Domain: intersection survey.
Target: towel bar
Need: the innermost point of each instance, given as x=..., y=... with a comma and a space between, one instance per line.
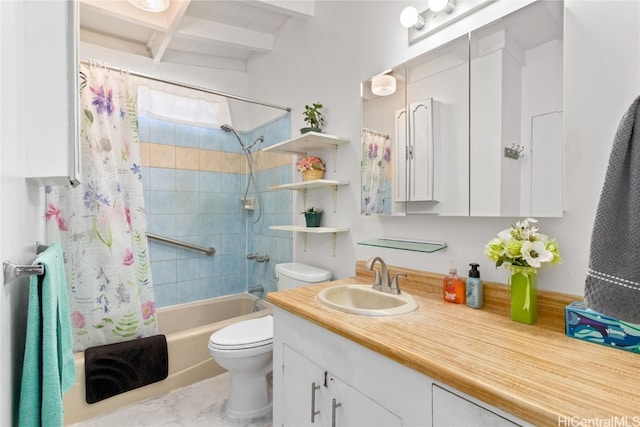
x=13, y=271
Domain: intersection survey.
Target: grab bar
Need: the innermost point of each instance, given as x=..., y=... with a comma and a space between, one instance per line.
x=209, y=251
x=12, y=271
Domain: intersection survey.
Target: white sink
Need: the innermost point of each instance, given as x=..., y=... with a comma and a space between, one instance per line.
x=364, y=300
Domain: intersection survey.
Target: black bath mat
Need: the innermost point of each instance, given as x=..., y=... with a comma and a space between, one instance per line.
x=112, y=369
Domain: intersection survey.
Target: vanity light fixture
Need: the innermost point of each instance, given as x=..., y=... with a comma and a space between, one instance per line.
x=439, y=14
x=151, y=5
x=383, y=85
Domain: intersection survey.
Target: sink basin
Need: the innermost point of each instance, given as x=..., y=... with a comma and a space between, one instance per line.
x=363, y=300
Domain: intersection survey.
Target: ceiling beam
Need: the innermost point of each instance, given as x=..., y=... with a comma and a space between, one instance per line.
x=300, y=9
x=208, y=31
x=208, y=61
x=160, y=40
x=113, y=43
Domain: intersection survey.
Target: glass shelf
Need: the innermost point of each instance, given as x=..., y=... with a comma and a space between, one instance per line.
x=406, y=245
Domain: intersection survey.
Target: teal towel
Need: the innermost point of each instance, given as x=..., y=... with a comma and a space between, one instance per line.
x=48, y=368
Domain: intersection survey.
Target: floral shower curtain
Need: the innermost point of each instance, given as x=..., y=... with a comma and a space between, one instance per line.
x=101, y=224
x=376, y=173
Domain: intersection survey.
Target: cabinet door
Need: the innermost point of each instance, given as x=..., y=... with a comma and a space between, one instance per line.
x=315, y=397
x=451, y=410
x=348, y=407
x=401, y=157
x=303, y=391
x=422, y=151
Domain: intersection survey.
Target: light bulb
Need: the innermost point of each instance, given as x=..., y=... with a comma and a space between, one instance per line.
x=409, y=17
x=441, y=5
x=151, y=5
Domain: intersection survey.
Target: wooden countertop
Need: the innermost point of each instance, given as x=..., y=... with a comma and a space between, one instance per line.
x=533, y=372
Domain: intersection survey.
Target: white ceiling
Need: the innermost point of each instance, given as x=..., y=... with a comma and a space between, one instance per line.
x=217, y=34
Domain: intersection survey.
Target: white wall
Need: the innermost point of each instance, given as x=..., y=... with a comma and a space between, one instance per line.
x=20, y=208
x=326, y=58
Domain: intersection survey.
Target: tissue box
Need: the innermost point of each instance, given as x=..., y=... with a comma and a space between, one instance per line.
x=589, y=325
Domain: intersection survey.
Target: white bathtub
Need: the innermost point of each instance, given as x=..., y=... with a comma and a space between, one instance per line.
x=187, y=328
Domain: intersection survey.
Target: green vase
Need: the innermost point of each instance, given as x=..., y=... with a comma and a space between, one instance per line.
x=313, y=220
x=524, y=299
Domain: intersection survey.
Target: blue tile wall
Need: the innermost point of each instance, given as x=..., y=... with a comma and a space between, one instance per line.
x=205, y=208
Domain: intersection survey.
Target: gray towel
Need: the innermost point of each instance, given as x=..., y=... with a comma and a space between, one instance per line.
x=613, y=281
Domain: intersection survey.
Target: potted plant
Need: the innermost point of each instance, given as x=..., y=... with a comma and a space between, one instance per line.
x=313, y=216
x=311, y=167
x=313, y=118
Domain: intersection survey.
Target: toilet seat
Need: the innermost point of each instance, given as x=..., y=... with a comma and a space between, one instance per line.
x=247, y=334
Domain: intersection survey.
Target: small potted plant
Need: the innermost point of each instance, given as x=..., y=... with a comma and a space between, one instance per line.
x=313, y=118
x=311, y=167
x=313, y=216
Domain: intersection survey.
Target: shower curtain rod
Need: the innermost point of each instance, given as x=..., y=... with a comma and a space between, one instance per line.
x=187, y=86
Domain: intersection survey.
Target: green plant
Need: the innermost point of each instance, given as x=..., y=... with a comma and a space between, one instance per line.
x=313, y=116
x=313, y=211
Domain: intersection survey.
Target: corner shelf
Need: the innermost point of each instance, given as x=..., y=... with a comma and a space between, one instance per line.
x=306, y=142
x=312, y=230
x=309, y=185
x=301, y=145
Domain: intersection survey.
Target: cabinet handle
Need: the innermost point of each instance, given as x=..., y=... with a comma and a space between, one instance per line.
x=334, y=405
x=314, y=387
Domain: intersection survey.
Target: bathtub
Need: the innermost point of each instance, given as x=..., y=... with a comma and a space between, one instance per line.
x=187, y=328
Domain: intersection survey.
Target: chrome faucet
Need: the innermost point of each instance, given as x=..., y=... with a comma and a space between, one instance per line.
x=381, y=279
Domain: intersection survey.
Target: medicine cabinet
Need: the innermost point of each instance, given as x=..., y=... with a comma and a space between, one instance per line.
x=487, y=139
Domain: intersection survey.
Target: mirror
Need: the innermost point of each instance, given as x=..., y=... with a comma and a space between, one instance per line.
x=516, y=140
x=474, y=127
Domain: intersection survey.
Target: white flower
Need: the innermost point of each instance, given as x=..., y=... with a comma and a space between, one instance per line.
x=535, y=253
x=505, y=235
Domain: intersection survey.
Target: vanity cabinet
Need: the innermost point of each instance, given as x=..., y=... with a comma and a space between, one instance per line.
x=312, y=366
x=330, y=401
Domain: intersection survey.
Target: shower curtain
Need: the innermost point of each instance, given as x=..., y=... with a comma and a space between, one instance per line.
x=376, y=173
x=101, y=224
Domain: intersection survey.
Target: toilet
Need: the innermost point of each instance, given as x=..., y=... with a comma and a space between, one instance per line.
x=245, y=349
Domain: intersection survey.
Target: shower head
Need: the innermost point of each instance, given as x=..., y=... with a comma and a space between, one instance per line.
x=228, y=128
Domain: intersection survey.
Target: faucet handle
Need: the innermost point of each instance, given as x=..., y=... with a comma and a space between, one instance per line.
x=395, y=287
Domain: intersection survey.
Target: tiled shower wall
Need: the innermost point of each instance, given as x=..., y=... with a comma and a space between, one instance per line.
x=194, y=179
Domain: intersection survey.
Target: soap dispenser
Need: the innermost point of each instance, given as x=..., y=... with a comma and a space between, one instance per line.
x=453, y=286
x=475, y=293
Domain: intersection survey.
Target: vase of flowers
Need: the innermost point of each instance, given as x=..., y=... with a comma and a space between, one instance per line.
x=311, y=167
x=522, y=249
x=313, y=216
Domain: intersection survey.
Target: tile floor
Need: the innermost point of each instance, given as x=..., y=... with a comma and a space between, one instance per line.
x=200, y=404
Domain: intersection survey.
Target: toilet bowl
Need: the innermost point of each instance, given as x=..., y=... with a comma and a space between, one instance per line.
x=245, y=349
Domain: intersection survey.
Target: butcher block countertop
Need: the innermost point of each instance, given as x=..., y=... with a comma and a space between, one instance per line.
x=534, y=372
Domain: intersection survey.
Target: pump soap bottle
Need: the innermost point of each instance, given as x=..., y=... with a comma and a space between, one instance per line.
x=475, y=293
x=453, y=286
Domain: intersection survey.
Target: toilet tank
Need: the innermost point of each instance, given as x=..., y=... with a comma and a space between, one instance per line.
x=293, y=275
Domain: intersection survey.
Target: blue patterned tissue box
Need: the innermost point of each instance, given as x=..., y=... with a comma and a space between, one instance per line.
x=589, y=325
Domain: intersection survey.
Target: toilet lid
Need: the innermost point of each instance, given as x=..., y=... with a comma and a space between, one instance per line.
x=246, y=334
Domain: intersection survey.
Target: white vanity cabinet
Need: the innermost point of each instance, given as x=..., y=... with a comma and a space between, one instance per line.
x=326, y=400
x=342, y=383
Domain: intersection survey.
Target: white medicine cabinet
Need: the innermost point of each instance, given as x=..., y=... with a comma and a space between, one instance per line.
x=493, y=144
